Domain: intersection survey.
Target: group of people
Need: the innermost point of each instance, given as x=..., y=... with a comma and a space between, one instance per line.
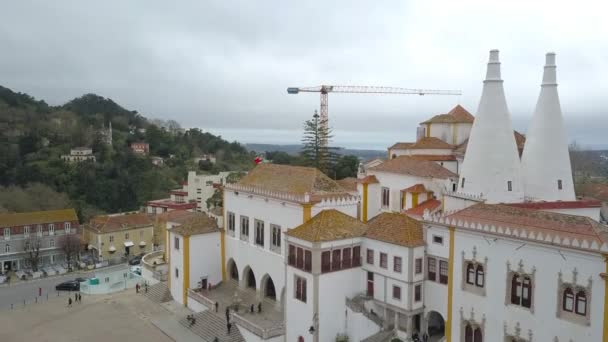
x=77, y=299
x=417, y=338
x=138, y=287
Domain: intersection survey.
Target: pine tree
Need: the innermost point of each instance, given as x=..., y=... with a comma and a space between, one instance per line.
x=316, y=150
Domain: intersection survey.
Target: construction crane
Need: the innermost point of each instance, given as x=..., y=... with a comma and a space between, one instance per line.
x=326, y=89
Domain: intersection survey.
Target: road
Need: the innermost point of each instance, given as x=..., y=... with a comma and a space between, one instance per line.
x=16, y=293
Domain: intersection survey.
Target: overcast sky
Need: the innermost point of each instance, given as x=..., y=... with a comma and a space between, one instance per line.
x=224, y=66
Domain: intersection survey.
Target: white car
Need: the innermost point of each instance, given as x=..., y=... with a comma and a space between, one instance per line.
x=136, y=270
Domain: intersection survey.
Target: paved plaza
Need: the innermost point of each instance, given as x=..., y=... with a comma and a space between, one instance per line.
x=122, y=316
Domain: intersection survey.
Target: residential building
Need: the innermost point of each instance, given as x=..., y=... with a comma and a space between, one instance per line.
x=141, y=148
x=117, y=236
x=21, y=232
x=178, y=200
x=201, y=187
x=79, y=154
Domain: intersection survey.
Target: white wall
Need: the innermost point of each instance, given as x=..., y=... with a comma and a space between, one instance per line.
x=358, y=326
x=441, y=131
x=251, y=337
x=334, y=287
x=176, y=261
x=205, y=258
x=592, y=213
x=435, y=294
x=196, y=182
x=548, y=263
x=298, y=315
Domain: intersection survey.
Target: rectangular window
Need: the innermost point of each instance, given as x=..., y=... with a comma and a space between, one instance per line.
x=307, y=261
x=7, y=248
x=443, y=271
x=51, y=229
x=418, y=265
x=244, y=227
x=370, y=256
x=509, y=186
x=67, y=226
x=259, y=233
x=386, y=194
x=336, y=260
x=356, y=256
x=462, y=185
x=51, y=243
x=126, y=236
x=300, y=258
x=26, y=230
x=346, y=258
x=231, y=223
x=325, y=262
x=7, y=233
x=39, y=230
x=141, y=234
x=438, y=239
x=432, y=269
x=417, y=293
x=276, y=235
x=383, y=260
x=26, y=246
x=300, y=288
x=176, y=272
x=559, y=184
x=397, y=264
x=396, y=292
x=111, y=238
x=176, y=243
x=291, y=257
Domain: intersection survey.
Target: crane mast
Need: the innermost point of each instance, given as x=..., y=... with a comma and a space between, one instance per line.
x=324, y=91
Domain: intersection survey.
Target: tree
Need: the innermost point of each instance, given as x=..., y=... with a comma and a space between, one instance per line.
x=215, y=200
x=234, y=177
x=32, y=247
x=316, y=150
x=346, y=166
x=70, y=245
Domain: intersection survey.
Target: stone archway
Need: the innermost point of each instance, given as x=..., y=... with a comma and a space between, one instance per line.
x=233, y=271
x=435, y=326
x=248, y=280
x=267, y=287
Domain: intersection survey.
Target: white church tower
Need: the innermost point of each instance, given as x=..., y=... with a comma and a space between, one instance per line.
x=491, y=166
x=546, y=169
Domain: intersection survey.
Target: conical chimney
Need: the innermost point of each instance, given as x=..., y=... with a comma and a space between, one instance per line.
x=546, y=169
x=491, y=166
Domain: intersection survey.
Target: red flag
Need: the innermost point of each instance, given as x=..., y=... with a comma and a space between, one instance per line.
x=257, y=160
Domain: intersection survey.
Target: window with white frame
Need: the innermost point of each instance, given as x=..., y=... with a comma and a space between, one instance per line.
x=417, y=293
x=67, y=227
x=437, y=270
x=51, y=229
x=7, y=248
x=244, y=228
x=418, y=265
x=39, y=230
x=7, y=233
x=231, y=223
x=176, y=243
x=111, y=238
x=300, y=288
x=383, y=260
x=276, y=237
x=259, y=232
x=397, y=264
x=26, y=231
x=474, y=275
x=386, y=195
x=575, y=300
x=396, y=292
x=52, y=243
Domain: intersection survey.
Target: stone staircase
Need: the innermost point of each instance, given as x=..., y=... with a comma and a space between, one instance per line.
x=382, y=336
x=158, y=293
x=210, y=325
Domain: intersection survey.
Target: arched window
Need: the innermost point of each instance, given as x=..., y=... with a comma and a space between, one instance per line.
x=526, y=295
x=568, y=300
x=477, y=335
x=516, y=289
x=581, y=303
x=468, y=333
x=479, y=279
x=470, y=274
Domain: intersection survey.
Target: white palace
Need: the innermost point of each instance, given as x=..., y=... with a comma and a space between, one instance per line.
x=466, y=234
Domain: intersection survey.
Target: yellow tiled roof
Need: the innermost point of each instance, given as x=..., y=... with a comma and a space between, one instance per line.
x=348, y=183
x=37, y=217
x=329, y=225
x=291, y=179
x=396, y=228
x=199, y=224
x=457, y=115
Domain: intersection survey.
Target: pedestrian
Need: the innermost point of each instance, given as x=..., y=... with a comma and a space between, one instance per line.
x=227, y=315
x=69, y=302
x=259, y=307
x=217, y=305
x=146, y=287
x=137, y=288
x=229, y=325
x=425, y=337
x=251, y=308
x=75, y=297
x=216, y=340
x=80, y=297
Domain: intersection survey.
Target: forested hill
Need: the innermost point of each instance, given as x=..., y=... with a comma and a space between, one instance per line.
x=34, y=135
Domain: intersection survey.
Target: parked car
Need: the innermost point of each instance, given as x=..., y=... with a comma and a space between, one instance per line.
x=136, y=260
x=136, y=269
x=81, y=279
x=71, y=285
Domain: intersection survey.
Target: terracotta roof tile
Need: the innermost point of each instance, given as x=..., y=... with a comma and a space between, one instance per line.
x=430, y=204
x=175, y=215
x=598, y=191
x=371, y=179
x=401, y=145
x=199, y=224
x=414, y=167
x=348, y=183
x=431, y=143
x=520, y=140
x=291, y=179
x=395, y=228
x=112, y=223
x=457, y=115
x=434, y=157
x=558, y=205
x=37, y=217
x=416, y=188
x=563, y=225
x=329, y=225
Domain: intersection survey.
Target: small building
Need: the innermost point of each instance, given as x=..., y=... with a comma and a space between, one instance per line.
x=164, y=220
x=140, y=148
x=20, y=232
x=178, y=200
x=157, y=161
x=79, y=154
x=113, y=237
x=202, y=187
x=197, y=267
x=208, y=157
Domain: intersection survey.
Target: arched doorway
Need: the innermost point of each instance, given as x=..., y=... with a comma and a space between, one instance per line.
x=249, y=277
x=268, y=287
x=435, y=326
x=233, y=271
